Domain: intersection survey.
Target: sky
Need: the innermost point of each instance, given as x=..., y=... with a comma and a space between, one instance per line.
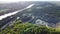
x=10, y=1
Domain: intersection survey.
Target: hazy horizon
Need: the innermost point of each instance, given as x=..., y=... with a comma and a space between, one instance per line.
x=13, y=1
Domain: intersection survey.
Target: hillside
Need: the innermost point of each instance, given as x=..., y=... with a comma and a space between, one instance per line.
x=28, y=28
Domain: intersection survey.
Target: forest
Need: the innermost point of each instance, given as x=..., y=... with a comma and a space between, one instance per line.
x=28, y=28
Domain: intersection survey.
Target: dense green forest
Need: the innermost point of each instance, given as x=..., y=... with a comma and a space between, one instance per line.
x=28, y=28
